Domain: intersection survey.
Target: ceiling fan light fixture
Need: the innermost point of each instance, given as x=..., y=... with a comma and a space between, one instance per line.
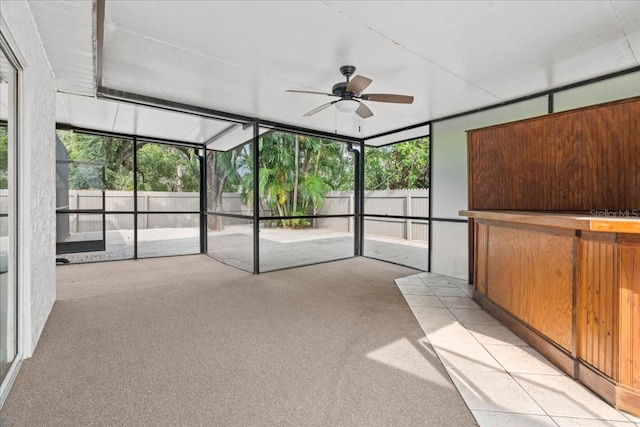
x=347, y=105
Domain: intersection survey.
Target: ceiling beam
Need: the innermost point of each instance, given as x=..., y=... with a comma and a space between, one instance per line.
x=98, y=40
x=137, y=99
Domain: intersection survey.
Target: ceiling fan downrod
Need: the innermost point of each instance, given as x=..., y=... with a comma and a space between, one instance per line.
x=347, y=71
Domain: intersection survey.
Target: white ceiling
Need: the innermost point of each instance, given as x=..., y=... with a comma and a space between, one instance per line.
x=240, y=57
x=96, y=114
x=67, y=36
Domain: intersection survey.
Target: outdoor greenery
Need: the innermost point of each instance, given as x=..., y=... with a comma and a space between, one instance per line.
x=227, y=171
x=160, y=167
x=295, y=171
x=397, y=166
x=167, y=168
x=4, y=158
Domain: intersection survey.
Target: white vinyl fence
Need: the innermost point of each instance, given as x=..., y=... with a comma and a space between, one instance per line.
x=413, y=202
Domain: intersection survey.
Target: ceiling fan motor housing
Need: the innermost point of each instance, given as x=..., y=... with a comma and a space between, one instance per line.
x=339, y=89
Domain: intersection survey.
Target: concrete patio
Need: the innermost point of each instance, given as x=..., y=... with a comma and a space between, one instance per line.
x=280, y=248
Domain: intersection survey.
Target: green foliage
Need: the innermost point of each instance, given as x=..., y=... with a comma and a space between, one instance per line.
x=160, y=167
x=398, y=166
x=4, y=158
x=167, y=168
x=296, y=172
x=296, y=222
x=115, y=154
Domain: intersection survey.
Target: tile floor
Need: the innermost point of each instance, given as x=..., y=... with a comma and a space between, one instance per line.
x=504, y=381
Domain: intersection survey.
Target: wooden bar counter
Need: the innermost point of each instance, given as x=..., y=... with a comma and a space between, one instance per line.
x=569, y=285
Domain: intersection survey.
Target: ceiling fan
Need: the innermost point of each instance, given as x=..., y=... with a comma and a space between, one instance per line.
x=351, y=96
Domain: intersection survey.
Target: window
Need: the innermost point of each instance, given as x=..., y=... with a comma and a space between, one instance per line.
x=396, y=203
x=8, y=199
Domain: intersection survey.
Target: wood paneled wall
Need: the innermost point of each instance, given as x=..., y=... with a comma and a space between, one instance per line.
x=573, y=161
x=609, y=309
x=481, y=247
x=598, y=305
x=630, y=310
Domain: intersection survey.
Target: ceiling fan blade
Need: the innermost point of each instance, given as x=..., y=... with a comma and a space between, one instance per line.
x=320, y=108
x=311, y=92
x=364, y=111
x=388, y=97
x=357, y=84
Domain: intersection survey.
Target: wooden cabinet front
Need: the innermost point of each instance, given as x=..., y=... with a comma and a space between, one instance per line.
x=629, y=328
x=597, y=306
x=574, y=294
x=530, y=274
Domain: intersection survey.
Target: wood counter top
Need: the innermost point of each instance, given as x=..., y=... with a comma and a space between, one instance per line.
x=601, y=221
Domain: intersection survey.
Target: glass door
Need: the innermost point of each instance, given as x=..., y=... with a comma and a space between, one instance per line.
x=80, y=223
x=8, y=280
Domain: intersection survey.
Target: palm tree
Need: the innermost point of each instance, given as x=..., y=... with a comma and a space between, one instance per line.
x=295, y=172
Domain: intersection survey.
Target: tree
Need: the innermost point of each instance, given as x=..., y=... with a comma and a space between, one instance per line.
x=226, y=173
x=4, y=158
x=399, y=166
x=297, y=171
x=161, y=167
x=115, y=154
x=167, y=168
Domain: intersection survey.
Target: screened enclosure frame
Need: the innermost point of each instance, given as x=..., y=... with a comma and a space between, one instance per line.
x=356, y=144
x=549, y=94
x=84, y=245
x=256, y=218
x=356, y=148
x=135, y=212
x=406, y=218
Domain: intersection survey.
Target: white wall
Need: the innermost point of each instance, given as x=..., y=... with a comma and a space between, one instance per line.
x=36, y=181
x=621, y=87
x=449, y=240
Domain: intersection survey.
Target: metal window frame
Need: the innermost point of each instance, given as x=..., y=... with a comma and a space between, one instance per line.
x=85, y=245
x=107, y=93
x=359, y=191
x=256, y=218
x=428, y=218
x=22, y=340
x=134, y=140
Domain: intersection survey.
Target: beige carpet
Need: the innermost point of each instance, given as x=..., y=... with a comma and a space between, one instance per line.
x=189, y=341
